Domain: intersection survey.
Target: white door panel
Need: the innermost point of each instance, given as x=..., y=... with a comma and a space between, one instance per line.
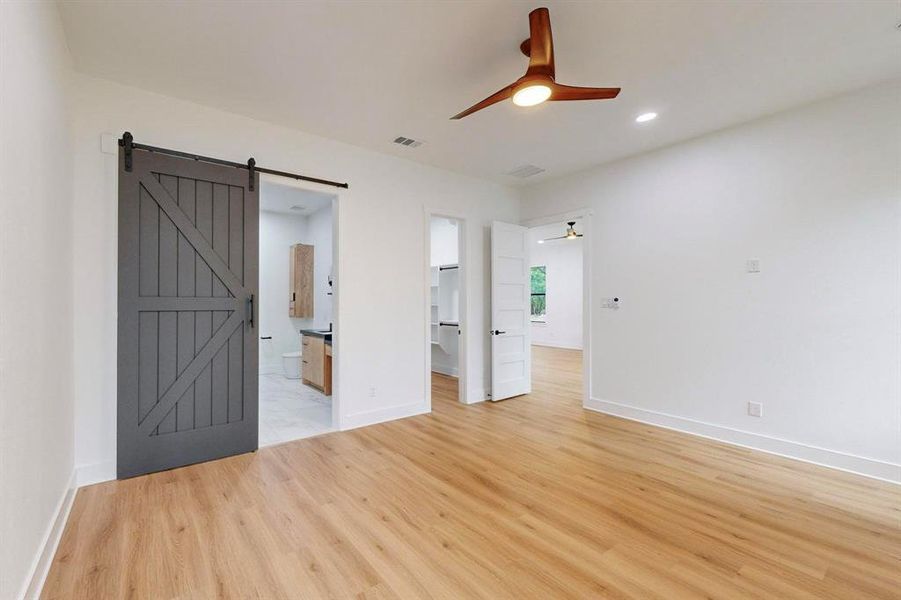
x=511, y=358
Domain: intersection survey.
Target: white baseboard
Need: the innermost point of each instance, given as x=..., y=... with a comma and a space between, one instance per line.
x=40, y=565
x=859, y=465
x=381, y=415
x=95, y=473
x=449, y=371
x=552, y=345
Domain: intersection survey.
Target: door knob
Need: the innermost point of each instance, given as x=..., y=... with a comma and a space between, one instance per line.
x=497, y=332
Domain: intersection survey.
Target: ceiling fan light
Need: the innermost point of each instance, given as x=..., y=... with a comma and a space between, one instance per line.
x=531, y=95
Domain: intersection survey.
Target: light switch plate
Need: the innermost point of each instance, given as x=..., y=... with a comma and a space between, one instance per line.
x=752, y=265
x=755, y=409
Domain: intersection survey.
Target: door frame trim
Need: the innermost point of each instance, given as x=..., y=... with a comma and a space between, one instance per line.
x=463, y=394
x=585, y=215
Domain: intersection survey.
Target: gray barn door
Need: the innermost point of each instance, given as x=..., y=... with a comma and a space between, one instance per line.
x=188, y=271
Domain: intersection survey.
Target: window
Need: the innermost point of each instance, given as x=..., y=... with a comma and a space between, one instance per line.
x=539, y=291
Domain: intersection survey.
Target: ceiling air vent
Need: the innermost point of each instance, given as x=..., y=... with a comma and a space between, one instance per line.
x=404, y=141
x=525, y=171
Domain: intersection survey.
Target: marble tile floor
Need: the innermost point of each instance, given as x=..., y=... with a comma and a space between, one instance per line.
x=290, y=410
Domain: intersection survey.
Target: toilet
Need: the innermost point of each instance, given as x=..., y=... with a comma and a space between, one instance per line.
x=291, y=364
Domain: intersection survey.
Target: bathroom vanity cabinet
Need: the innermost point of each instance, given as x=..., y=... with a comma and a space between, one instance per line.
x=300, y=285
x=316, y=366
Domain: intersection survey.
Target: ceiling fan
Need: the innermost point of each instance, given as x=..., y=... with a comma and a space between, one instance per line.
x=538, y=84
x=569, y=235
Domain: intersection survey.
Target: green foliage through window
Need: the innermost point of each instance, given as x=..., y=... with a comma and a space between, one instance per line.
x=539, y=293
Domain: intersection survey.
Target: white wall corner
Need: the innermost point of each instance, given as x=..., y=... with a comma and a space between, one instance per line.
x=40, y=565
x=95, y=473
x=475, y=396
x=858, y=465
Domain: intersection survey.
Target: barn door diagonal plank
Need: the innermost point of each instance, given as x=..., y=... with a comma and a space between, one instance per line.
x=178, y=387
x=165, y=201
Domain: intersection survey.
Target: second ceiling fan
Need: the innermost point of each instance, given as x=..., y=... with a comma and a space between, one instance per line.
x=569, y=235
x=538, y=84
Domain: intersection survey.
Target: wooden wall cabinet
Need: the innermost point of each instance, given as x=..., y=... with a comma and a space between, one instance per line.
x=300, y=304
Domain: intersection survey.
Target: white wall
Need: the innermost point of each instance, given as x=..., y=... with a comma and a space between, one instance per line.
x=379, y=272
x=36, y=398
x=320, y=235
x=562, y=327
x=815, y=195
x=278, y=232
x=444, y=235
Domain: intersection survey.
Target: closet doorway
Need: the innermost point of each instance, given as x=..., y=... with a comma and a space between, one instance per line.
x=445, y=307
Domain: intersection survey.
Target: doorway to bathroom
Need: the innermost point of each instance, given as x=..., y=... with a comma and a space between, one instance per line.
x=297, y=292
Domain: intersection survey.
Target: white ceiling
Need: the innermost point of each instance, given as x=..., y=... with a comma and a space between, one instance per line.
x=281, y=197
x=367, y=72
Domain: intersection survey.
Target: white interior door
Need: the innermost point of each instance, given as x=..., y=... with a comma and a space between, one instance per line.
x=511, y=356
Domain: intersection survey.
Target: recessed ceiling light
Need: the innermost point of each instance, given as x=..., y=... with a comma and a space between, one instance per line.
x=645, y=117
x=540, y=241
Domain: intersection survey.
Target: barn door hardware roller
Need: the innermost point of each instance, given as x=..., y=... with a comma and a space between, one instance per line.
x=128, y=146
x=251, y=164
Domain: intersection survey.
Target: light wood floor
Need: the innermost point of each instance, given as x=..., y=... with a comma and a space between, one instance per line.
x=528, y=498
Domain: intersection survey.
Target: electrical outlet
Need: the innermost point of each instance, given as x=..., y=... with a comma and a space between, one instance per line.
x=372, y=392
x=755, y=409
x=752, y=265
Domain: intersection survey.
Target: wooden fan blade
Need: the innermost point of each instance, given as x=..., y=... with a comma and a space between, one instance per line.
x=492, y=99
x=569, y=92
x=541, y=44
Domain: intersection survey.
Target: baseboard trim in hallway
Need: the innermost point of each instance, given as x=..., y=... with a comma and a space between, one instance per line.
x=858, y=465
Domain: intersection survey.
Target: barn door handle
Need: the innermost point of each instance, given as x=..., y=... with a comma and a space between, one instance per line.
x=250, y=309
